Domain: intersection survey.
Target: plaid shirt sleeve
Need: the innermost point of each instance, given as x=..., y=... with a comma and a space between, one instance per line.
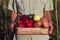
x=49, y=5
x=10, y=5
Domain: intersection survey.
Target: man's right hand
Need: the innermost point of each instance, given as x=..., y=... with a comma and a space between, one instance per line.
x=12, y=26
x=13, y=17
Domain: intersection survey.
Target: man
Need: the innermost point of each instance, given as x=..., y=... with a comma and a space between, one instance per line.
x=41, y=7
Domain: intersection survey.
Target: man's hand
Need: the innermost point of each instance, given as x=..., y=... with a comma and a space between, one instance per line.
x=12, y=26
x=13, y=17
x=47, y=13
x=51, y=28
x=50, y=31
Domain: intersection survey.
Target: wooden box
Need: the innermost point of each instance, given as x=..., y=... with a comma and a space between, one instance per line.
x=32, y=31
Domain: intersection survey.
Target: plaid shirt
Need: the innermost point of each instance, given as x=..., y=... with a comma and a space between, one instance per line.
x=32, y=6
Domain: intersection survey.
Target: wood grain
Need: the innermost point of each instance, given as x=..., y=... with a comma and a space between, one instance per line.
x=32, y=31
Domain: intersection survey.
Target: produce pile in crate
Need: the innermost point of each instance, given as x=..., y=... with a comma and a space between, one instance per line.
x=30, y=24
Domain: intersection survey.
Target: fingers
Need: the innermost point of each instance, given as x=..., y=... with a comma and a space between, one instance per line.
x=50, y=31
x=45, y=22
x=12, y=25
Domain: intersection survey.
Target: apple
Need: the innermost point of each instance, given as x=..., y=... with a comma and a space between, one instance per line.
x=19, y=22
x=36, y=17
x=24, y=18
x=37, y=24
x=29, y=23
x=21, y=25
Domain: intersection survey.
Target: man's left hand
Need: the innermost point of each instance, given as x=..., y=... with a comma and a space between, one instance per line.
x=51, y=28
